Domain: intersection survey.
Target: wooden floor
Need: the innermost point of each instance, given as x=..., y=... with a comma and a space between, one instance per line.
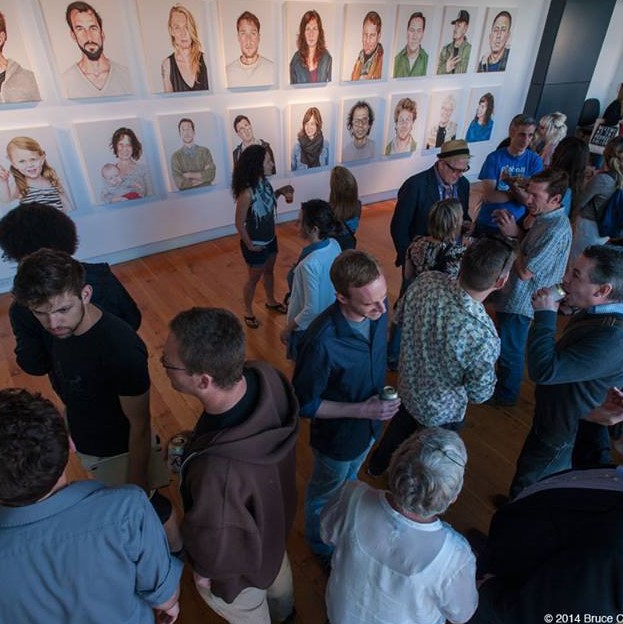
x=211, y=274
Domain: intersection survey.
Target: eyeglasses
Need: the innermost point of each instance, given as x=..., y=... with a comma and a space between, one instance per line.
x=361, y=122
x=456, y=460
x=456, y=169
x=169, y=366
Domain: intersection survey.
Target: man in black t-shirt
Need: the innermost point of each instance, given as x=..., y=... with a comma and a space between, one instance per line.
x=97, y=364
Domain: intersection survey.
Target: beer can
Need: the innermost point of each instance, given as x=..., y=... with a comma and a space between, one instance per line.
x=175, y=451
x=557, y=291
x=388, y=393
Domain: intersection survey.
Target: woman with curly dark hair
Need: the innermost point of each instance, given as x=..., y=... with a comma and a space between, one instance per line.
x=312, y=61
x=256, y=204
x=31, y=227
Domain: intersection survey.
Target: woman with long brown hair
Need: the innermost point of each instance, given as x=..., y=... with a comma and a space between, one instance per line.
x=312, y=61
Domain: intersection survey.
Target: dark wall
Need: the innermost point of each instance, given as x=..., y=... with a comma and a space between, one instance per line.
x=571, y=43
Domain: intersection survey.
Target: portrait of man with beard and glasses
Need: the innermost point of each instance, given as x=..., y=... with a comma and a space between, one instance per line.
x=94, y=75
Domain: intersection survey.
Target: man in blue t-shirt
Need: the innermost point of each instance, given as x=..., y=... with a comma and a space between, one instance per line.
x=504, y=174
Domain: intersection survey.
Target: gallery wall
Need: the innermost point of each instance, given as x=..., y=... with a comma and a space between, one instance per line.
x=75, y=127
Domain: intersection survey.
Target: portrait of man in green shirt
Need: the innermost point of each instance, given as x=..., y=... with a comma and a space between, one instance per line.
x=454, y=57
x=412, y=60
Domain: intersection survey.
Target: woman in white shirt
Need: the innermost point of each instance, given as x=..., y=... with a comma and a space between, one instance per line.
x=395, y=561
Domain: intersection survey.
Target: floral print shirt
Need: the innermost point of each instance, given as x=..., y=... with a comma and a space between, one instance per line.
x=448, y=351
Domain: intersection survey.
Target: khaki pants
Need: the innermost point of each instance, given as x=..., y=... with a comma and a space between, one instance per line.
x=113, y=471
x=256, y=606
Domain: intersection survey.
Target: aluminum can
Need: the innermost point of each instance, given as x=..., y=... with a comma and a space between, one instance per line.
x=175, y=451
x=389, y=393
x=557, y=291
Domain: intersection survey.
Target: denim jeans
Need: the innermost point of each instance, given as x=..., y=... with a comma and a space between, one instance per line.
x=554, y=445
x=513, y=331
x=327, y=477
x=538, y=459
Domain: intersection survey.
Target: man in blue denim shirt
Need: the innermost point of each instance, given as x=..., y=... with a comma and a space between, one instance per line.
x=73, y=552
x=340, y=370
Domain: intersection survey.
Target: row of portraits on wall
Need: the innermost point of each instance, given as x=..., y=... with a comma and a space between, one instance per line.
x=94, y=50
x=119, y=166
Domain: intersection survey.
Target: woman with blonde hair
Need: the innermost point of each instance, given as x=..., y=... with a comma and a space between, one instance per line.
x=185, y=69
x=594, y=198
x=439, y=250
x=551, y=130
x=344, y=200
x=30, y=178
x=312, y=61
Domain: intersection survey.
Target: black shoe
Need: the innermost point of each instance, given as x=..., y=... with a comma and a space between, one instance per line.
x=477, y=540
x=373, y=474
x=325, y=562
x=499, y=500
x=497, y=402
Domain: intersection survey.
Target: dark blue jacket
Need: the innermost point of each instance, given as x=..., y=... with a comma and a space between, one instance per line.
x=415, y=198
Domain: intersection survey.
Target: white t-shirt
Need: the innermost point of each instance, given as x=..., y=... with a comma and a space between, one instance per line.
x=77, y=85
x=387, y=569
x=259, y=73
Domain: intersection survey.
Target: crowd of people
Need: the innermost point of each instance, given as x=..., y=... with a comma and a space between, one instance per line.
x=487, y=273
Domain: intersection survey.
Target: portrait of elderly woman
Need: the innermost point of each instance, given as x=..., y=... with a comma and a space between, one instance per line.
x=311, y=148
x=185, y=69
x=445, y=128
x=312, y=61
x=405, y=115
x=394, y=560
x=481, y=125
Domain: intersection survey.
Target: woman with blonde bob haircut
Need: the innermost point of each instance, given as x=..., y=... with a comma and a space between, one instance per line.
x=551, y=130
x=439, y=250
x=185, y=69
x=394, y=559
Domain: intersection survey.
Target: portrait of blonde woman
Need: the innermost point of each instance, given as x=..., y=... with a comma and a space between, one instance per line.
x=185, y=69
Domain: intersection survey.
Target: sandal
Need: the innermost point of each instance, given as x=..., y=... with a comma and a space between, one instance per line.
x=277, y=307
x=251, y=321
